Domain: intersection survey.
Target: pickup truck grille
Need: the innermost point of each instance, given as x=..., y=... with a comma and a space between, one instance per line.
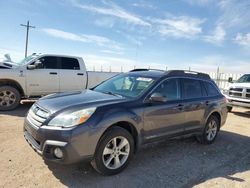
x=36, y=115
x=239, y=93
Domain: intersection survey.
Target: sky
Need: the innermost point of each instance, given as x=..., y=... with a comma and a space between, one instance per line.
x=120, y=35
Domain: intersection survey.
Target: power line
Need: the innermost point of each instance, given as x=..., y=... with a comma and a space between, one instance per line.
x=28, y=26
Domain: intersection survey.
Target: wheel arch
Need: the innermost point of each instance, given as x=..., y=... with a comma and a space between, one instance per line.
x=128, y=126
x=217, y=115
x=13, y=83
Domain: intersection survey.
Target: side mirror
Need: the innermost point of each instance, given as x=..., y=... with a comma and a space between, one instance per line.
x=31, y=67
x=230, y=80
x=157, y=97
x=37, y=64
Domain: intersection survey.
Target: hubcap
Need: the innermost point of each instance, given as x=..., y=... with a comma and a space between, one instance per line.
x=7, y=98
x=211, y=130
x=116, y=152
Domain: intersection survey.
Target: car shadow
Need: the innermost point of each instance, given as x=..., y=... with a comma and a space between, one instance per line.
x=172, y=163
x=20, y=111
x=242, y=114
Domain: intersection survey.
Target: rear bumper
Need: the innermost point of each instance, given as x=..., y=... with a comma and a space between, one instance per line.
x=44, y=141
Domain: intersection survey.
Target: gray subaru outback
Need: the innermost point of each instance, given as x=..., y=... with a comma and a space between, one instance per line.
x=107, y=124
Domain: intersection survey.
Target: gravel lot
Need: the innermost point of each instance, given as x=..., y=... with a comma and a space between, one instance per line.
x=175, y=163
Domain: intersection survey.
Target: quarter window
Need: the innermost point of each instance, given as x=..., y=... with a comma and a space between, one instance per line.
x=191, y=88
x=210, y=88
x=169, y=89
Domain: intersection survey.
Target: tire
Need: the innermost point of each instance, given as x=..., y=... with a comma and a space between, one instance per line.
x=211, y=128
x=9, y=98
x=106, y=144
x=229, y=108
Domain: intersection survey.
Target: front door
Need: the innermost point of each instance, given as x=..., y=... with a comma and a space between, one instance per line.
x=164, y=118
x=44, y=79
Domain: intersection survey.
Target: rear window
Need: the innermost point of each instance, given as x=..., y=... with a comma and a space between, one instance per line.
x=69, y=63
x=191, y=89
x=211, y=89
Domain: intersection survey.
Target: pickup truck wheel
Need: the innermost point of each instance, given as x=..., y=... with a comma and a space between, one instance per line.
x=210, y=131
x=229, y=108
x=114, y=151
x=9, y=98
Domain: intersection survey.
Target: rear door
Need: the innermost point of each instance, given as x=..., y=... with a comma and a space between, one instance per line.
x=45, y=78
x=194, y=100
x=72, y=75
x=164, y=118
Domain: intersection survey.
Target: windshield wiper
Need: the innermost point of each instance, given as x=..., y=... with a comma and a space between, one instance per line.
x=111, y=93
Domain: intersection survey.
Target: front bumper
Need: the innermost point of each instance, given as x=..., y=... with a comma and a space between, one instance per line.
x=233, y=101
x=45, y=139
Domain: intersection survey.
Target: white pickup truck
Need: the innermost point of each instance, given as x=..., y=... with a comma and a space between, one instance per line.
x=42, y=74
x=238, y=93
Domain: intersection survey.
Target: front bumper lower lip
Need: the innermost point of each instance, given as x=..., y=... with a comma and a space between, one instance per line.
x=37, y=148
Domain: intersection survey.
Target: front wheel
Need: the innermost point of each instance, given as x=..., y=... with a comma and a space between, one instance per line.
x=114, y=151
x=210, y=131
x=9, y=98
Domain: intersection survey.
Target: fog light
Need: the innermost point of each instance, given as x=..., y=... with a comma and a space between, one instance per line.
x=58, y=153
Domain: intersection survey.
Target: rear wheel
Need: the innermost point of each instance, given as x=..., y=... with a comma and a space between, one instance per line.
x=9, y=98
x=114, y=151
x=210, y=131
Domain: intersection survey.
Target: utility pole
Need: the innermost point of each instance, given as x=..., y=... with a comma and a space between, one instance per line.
x=28, y=26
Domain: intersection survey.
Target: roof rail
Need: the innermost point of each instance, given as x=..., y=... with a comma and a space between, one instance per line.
x=135, y=70
x=189, y=73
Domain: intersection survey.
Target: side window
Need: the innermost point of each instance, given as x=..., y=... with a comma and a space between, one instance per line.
x=48, y=62
x=169, y=89
x=211, y=89
x=191, y=89
x=69, y=63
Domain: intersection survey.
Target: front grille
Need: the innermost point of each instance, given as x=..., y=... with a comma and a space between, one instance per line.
x=248, y=96
x=233, y=94
x=236, y=89
x=37, y=115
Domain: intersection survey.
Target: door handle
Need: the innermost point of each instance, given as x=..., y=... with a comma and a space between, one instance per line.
x=53, y=73
x=207, y=102
x=80, y=74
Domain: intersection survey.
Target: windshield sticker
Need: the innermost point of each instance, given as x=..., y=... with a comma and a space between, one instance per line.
x=144, y=79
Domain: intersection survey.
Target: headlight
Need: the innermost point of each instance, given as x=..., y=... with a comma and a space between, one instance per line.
x=70, y=120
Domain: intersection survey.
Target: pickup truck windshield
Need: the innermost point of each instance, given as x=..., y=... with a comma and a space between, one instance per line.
x=26, y=60
x=244, y=79
x=125, y=85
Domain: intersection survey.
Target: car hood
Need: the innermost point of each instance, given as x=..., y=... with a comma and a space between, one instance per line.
x=244, y=85
x=81, y=99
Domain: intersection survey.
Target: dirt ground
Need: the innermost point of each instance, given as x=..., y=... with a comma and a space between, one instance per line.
x=175, y=163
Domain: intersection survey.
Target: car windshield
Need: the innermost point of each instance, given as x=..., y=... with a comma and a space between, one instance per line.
x=244, y=79
x=125, y=85
x=26, y=60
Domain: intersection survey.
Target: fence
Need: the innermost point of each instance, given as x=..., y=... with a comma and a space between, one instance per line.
x=221, y=79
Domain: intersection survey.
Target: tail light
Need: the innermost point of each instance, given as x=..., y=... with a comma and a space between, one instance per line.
x=225, y=99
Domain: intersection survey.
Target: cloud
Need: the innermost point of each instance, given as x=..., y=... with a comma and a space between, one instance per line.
x=243, y=39
x=144, y=5
x=235, y=14
x=179, y=27
x=114, y=11
x=98, y=40
x=217, y=36
x=226, y=65
x=199, y=2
